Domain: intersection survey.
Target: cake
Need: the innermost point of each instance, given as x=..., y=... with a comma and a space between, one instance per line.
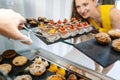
x=72, y=77
x=102, y=38
x=72, y=30
x=116, y=45
x=114, y=33
x=55, y=77
x=61, y=71
x=9, y=53
x=37, y=69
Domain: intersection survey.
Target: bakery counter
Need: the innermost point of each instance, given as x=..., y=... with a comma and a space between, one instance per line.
x=69, y=66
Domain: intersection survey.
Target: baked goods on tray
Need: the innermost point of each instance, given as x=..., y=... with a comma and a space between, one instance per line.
x=72, y=77
x=23, y=77
x=102, y=38
x=114, y=33
x=55, y=77
x=6, y=67
x=116, y=45
x=37, y=69
x=9, y=53
x=20, y=60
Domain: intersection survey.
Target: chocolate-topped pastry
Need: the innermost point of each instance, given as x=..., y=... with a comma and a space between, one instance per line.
x=1, y=58
x=33, y=23
x=9, y=53
x=30, y=19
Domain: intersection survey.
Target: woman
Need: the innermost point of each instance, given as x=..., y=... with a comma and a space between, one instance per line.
x=102, y=17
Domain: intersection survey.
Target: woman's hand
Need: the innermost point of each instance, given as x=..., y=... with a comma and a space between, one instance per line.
x=10, y=24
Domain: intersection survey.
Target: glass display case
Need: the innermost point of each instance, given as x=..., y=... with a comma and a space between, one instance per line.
x=60, y=53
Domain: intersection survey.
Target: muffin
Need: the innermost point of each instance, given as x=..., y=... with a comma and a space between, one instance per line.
x=102, y=38
x=55, y=77
x=116, y=45
x=114, y=33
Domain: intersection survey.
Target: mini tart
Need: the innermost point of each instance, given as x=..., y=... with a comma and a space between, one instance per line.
x=61, y=72
x=55, y=77
x=53, y=68
x=116, y=45
x=102, y=38
x=1, y=58
x=6, y=68
x=20, y=60
x=9, y=53
x=114, y=33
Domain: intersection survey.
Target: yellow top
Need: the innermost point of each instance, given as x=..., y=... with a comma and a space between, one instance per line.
x=105, y=17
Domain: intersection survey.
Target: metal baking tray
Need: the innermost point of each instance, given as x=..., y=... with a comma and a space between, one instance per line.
x=102, y=54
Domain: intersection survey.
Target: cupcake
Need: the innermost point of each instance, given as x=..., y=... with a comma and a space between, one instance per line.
x=102, y=38
x=114, y=33
x=116, y=45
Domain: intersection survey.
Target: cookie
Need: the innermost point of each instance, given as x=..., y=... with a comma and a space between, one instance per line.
x=20, y=60
x=1, y=58
x=5, y=68
x=9, y=53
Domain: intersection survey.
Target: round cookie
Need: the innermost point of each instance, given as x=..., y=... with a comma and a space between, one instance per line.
x=5, y=68
x=116, y=45
x=9, y=53
x=19, y=60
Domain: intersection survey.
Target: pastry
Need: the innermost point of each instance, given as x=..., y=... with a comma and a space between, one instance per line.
x=1, y=58
x=5, y=68
x=9, y=53
x=37, y=69
x=23, y=77
x=19, y=60
x=116, y=45
x=114, y=33
x=72, y=77
x=55, y=77
x=61, y=71
x=53, y=68
x=102, y=38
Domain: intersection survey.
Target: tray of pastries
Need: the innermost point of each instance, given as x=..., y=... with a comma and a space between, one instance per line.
x=50, y=31
x=18, y=67
x=104, y=48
